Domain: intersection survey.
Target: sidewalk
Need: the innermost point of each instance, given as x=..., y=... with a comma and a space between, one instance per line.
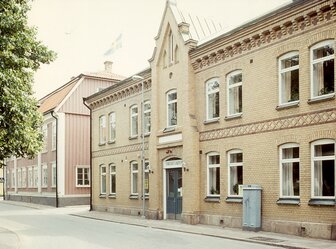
x=266, y=238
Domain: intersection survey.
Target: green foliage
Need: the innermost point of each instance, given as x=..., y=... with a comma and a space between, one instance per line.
x=21, y=54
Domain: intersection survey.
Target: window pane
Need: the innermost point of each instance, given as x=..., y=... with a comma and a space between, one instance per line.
x=172, y=114
x=324, y=178
x=290, y=86
x=235, y=79
x=289, y=153
x=146, y=182
x=147, y=122
x=147, y=106
x=214, y=181
x=236, y=179
x=113, y=184
x=215, y=159
x=134, y=166
x=323, y=77
x=324, y=150
x=290, y=62
x=236, y=157
x=235, y=99
x=291, y=179
x=103, y=190
x=135, y=183
x=213, y=105
x=172, y=96
x=213, y=86
x=323, y=51
x=134, y=110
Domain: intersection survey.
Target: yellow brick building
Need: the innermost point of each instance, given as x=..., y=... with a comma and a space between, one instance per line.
x=222, y=110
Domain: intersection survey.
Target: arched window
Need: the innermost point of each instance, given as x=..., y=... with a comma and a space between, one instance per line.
x=113, y=178
x=134, y=120
x=212, y=99
x=323, y=168
x=289, y=170
x=147, y=117
x=235, y=172
x=172, y=108
x=213, y=174
x=322, y=57
x=102, y=126
x=102, y=170
x=112, y=127
x=289, y=78
x=134, y=178
x=235, y=93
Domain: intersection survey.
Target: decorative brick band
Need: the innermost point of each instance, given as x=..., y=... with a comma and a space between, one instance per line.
x=119, y=150
x=298, y=23
x=307, y=119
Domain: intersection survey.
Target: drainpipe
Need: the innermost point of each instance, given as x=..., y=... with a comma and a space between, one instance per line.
x=53, y=114
x=84, y=99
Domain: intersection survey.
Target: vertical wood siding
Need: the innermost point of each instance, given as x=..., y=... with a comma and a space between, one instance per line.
x=77, y=150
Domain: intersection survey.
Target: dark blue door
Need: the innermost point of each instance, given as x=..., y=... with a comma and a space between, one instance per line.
x=174, y=193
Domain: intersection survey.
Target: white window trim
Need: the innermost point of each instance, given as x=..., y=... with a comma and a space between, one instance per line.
x=101, y=174
x=207, y=93
x=208, y=175
x=281, y=161
x=167, y=106
x=102, y=127
x=132, y=115
x=44, y=166
x=312, y=62
x=115, y=176
x=53, y=136
x=235, y=151
x=82, y=167
x=110, y=126
x=133, y=172
x=53, y=166
x=236, y=72
x=289, y=69
x=313, y=158
x=145, y=112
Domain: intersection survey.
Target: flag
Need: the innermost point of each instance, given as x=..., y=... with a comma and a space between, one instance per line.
x=116, y=44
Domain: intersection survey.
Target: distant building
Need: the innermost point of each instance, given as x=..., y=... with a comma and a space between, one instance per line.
x=252, y=105
x=64, y=163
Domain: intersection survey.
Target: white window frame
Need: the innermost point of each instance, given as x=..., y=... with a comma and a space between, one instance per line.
x=134, y=117
x=212, y=166
x=211, y=92
x=286, y=70
x=291, y=160
x=102, y=127
x=320, y=60
x=113, y=173
x=44, y=176
x=171, y=102
x=35, y=177
x=30, y=177
x=45, y=138
x=102, y=174
x=112, y=126
x=53, y=136
x=53, y=174
x=24, y=178
x=19, y=177
x=229, y=87
x=147, y=166
x=171, y=47
x=83, y=167
x=133, y=172
x=238, y=164
x=321, y=158
x=147, y=122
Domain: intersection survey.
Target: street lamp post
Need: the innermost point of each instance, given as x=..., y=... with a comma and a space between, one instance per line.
x=138, y=77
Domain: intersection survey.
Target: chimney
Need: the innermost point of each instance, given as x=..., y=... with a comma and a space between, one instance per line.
x=108, y=66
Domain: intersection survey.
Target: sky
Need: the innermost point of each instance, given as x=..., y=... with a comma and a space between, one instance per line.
x=82, y=31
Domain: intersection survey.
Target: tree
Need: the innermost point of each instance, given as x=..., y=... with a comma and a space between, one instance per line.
x=21, y=54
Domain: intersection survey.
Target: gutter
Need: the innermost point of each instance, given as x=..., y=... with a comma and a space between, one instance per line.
x=55, y=117
x=84, y=99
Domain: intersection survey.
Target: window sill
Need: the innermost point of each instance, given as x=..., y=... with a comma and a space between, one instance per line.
x=53, y=149
x=288, y=201
x=112, y=196
x=147, y=135
x=321, y=98
x=215, y=199
x=82, y=186
x=134, y=197
x=102, y=196
x=168, y=129
x=288, y=105
x=233, y=116
x=133, y=138
x=321, y=202
x=211, y=121
x=45, y=151
x=146, y=197
x=111, y=142
x=102, y=144
x=234, y=199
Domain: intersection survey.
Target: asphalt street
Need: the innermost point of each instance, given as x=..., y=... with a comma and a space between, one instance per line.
x=50, y=228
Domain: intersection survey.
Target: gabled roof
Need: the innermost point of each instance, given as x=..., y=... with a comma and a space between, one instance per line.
x=106, y=74
x=53, y=99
